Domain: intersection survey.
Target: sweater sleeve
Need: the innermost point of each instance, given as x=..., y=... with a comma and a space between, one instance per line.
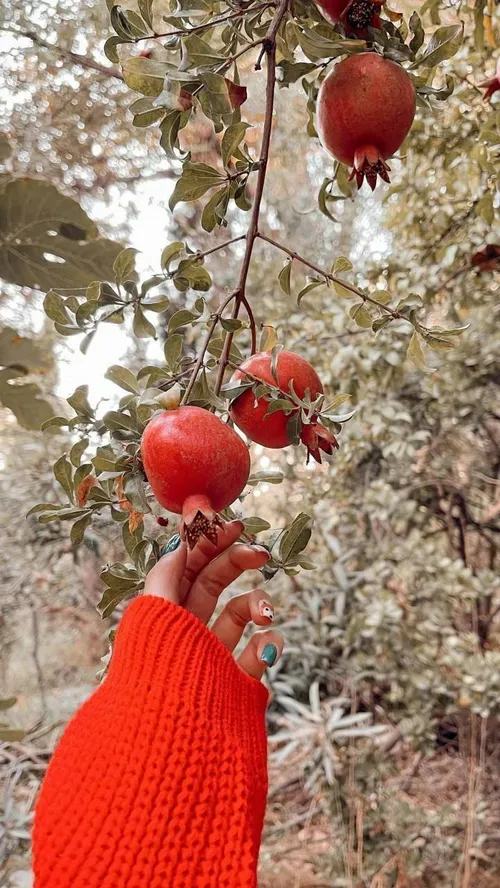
x=160, y=779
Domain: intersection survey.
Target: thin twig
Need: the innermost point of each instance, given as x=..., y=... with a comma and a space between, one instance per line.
x=269, y=44
x=206, y=342
x=396, y=315
x=74, y=57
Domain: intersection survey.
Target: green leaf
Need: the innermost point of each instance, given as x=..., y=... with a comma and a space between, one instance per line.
x=181, y=319
x=343, y=291
x=418, y=32
x=280, y=404
x=284, y=277
x=215, y=349
x=289, y=72
x=7, y=703
x=439, y=342
x=255, y=525
x=77, y=451
x=55, y=309
x=214, y=98
x=195, y=181
x=312, y=285
x=270, y=477
x=315, y=46
x=232, y=390
x=30, y=410
x=173, y=251
x=173, y=350
x=231, y=324
x=124, y=266
x=120, y=23
x=294, y=427
x=43, y=507
x=325, y=196
x=11, y=735
x=63, y=473
x=110, y=48
x=415, y=353
x=123, y=378
x=105, y=459
x=341, y=264
x=78, y=530
x=145, y=76
x=232, y=139
x=296, y=537
x=112, y=597
x=31, y=255
x=361, y=315
x=79, y=402
x=268, y=338
x=201, y=53
x=135, y=492
x=142, y=327
x=215, y=210
x=146, y=10
x=444, y=43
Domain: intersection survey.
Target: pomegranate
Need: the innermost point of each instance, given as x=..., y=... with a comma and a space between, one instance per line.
x=271, y=431
x=365, y=110
x=196, y=465
x=356, y=16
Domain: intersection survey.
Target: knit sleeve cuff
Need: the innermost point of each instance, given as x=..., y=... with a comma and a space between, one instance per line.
x=161, y=647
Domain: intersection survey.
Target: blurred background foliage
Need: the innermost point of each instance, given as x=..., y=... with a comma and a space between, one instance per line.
x=397, y=628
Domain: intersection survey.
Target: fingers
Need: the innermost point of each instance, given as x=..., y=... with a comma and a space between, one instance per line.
x=262, y=651
x=164, y=580
x=251, y=607
x=218, y=574
x=204, y=552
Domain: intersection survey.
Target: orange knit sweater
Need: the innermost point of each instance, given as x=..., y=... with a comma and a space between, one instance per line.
x=160, y=779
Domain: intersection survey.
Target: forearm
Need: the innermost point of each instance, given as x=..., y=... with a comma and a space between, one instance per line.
x=160, y=779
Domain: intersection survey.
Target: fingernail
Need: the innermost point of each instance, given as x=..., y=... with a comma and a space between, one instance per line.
x=257, y=548
x=173, y=544
x=269, y=654
x=266, y=610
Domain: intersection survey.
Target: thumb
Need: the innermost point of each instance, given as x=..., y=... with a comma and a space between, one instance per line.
x=165, y=577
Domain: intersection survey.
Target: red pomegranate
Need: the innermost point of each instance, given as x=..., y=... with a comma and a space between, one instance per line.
x=271, y=431
x=365, y=110
x=355, y=15
x=196, y=465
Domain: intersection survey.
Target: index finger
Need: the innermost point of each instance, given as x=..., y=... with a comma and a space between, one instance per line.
x=204, y=552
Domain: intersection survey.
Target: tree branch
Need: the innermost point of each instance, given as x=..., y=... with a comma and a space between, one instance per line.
x=396, y=315
x=269, y=45
x=74, y=57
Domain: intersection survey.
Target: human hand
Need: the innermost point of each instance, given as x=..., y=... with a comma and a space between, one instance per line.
x=194, y=579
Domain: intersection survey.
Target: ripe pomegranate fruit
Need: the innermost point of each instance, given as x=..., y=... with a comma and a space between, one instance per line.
x=196, y=465
x=365, y=110
x=271, y=431
x=355, y=15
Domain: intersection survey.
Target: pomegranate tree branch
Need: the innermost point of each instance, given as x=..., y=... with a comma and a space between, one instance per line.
x=396, y=315
x=206, y=342
x=68, y=54
x=233, y=240
x=269, y=45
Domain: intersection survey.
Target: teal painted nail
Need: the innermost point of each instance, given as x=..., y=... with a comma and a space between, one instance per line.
x=173, y=544
x=269, y=654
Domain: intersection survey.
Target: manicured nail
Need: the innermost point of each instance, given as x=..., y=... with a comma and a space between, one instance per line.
x=266, y=610
x=269, y=654
x=173, y=544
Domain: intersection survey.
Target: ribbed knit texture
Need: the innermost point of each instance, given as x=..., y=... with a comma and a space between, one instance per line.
x=160, y=779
